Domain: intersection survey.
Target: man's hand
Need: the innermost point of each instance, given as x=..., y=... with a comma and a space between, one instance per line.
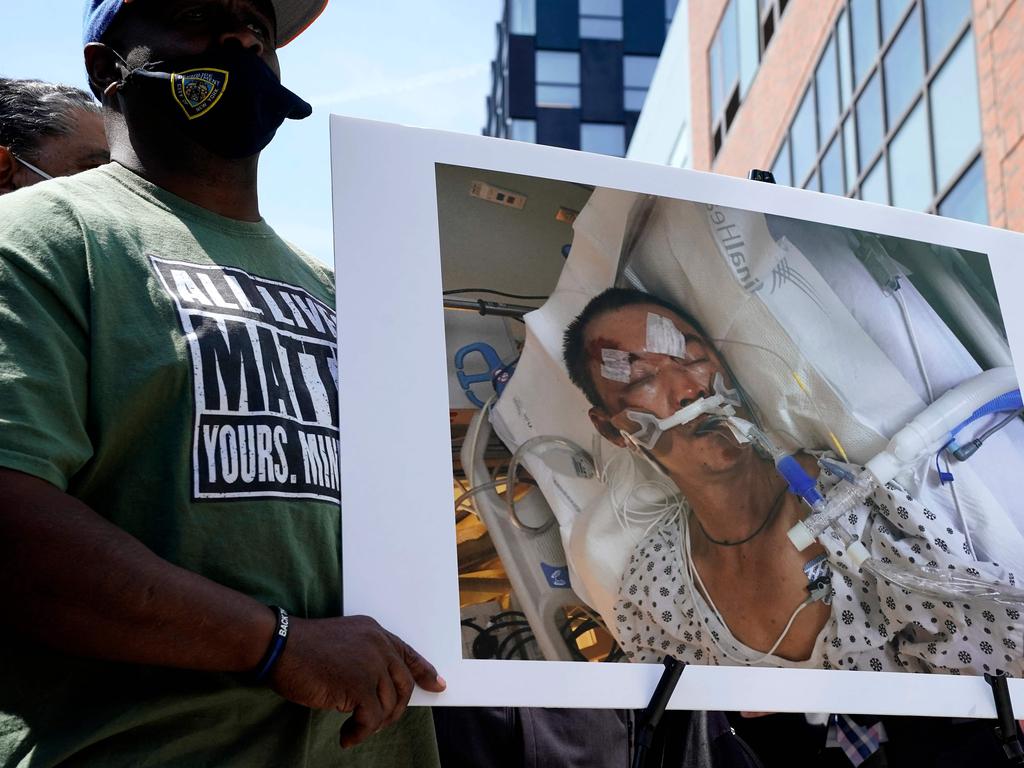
x=351, y=664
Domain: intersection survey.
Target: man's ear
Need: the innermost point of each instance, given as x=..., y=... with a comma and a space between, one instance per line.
x=603, y=424
x=105, y=76
x=8, y=168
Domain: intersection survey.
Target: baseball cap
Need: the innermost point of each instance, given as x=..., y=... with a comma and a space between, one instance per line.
x=293, y=16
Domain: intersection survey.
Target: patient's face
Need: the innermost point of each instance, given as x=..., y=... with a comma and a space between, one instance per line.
x=629, y=376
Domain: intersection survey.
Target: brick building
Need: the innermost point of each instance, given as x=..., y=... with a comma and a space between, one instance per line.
x=914, y=103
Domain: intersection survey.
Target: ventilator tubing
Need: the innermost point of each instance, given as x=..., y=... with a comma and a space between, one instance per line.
x=932, y=429
x=928, y=580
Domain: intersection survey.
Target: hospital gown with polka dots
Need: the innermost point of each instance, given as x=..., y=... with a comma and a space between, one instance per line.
x=874, y=625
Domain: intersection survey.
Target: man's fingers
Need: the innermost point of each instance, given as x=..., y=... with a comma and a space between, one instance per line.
x=365, y=721
x=422, y=671
x=404, y=685
x=388, y=697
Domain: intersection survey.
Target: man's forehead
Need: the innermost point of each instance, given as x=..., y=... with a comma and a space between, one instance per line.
x=635, y=323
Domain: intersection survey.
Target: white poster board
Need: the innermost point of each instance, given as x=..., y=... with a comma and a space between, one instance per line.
x=399, y=548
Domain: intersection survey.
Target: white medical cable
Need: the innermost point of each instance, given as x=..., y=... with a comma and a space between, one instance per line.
x=473, y=440
x=960, y=512
x=898, y=295
x=691, y=572
x=629, y=513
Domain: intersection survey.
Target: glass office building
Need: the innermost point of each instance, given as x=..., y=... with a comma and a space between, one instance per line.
x=575, y=73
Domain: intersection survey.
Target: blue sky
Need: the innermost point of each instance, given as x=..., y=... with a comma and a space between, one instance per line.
x=405, y=61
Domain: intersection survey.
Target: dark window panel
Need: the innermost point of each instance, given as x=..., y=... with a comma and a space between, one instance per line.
x=956, y=116
x=967, y=199
x=864, y=26
x=643, y=26
x=522, y=76
x=630, y=121
x=942, y=20
x=904, y=68
x=601, y=80
x=870, y=125
x=559, y=127
x=558, y=24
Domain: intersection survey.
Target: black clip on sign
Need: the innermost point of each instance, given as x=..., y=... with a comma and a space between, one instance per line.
x=758, y=175
x=1007, y=730
x=656, y=708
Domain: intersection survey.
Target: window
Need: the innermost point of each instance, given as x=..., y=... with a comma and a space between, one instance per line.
x=967, y=199
x=601, y=19
x=768, y=12
x=870, y=128
x=903, y=68
x=733, y=59
x=826, y=81
x=943, y=20
x=895, y=101
x=892, y=12
x=637, y=74
x=864, y=25
x=910, y=171
x=604, y=138
x=522, y=17
x=780, y=169
x=523, y=130
x=804, y=146
x=875, y=188
x=956, y=118
x=558, y=79
x=832, y=169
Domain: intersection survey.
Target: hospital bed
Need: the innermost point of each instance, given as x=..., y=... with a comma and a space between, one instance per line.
x=828, y=330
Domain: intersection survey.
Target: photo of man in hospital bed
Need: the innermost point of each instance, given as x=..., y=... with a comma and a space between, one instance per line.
x=716, y=578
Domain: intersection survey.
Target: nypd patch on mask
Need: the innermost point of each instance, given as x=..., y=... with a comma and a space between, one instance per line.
x=197, y=91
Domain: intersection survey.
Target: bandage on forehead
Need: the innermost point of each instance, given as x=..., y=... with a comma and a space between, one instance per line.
x=615, y=365
x=663, y=338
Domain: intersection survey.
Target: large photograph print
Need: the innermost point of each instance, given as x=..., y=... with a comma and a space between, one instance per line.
x=774, y=434
x=688, y=448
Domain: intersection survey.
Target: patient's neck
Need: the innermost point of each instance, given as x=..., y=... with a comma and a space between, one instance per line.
x=731, y=506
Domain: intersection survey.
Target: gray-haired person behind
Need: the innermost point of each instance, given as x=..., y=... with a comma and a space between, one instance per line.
x=47, y=130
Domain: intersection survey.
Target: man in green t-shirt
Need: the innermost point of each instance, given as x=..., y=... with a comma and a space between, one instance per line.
x=169, y=434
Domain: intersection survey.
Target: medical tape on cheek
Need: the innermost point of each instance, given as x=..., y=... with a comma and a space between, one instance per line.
x=615, y=365
x=663, y=338
x=730, y=396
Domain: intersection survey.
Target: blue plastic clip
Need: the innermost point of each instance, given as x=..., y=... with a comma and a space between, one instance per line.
x=467, y=380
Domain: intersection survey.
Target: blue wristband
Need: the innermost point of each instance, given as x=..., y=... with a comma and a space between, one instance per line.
x=276, y=646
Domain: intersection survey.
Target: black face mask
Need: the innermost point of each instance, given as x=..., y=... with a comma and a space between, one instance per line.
x=226, y=100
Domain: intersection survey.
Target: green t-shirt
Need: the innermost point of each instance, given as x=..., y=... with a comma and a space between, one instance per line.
x=177, y=372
